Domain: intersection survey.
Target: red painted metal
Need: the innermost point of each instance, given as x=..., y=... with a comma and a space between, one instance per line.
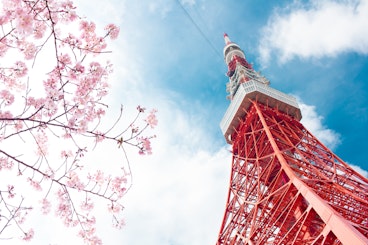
x=288, y=188
x=237, y=60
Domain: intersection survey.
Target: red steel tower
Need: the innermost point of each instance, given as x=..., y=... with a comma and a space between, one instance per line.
x=286, y=187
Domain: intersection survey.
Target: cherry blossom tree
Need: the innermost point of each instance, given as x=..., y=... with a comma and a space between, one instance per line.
x=52, y=90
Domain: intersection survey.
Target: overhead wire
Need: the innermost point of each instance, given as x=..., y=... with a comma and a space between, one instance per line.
x=199, y=29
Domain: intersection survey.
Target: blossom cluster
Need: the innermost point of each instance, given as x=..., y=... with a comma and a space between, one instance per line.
x=59, y=96
x=151, y=119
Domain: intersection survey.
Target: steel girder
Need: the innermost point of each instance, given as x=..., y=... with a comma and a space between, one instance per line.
x=288, y=188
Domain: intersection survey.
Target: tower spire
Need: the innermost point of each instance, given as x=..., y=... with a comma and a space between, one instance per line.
x=227, y=39
x=239, y=69
x=286, y=187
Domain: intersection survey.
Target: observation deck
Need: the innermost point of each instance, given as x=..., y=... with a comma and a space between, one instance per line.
x=254, y=90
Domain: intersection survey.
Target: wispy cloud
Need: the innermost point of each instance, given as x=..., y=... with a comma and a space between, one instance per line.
x=163, y=7
x=188, y=2
x=360, y=170
x=321, y=28
x=180, y=198
x=314, y=123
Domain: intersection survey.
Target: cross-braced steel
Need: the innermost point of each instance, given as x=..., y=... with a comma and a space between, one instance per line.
x=288, y=188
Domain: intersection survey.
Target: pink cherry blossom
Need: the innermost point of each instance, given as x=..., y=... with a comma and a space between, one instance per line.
x=28, y=235
x=7, y=97
x=118, y=185
x=20, y=69
x=21, y=215
x=41, y=139
x=3, y=47
x=6, y=163
x=112, y=30
x=119, y=223
x=66, y=153
x=145, y=146
x=87, y=205
x=69, y=13
x=114, y=208
x=74, y=181
x=39, y=29
x=45, y=206
x=24, y=21
x=6, y=114
x=18, y=125
x=29, y=50
x=87, y=27
x=151, y=119
x=35, y=184
x=99, y=178
x=65, y=59
x=55, y=105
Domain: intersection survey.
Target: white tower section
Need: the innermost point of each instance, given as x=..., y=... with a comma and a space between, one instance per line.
x=240, y=71
x=246, y=85
x=231, y=49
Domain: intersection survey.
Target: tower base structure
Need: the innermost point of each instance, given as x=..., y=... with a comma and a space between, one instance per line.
x=286, y=187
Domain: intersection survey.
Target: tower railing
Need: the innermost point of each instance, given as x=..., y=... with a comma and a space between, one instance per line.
x=254, y=90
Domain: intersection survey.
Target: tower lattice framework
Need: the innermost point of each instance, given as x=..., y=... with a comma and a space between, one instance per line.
x=286, y=187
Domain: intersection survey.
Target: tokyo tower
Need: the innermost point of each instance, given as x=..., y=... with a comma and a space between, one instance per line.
x=286, y=187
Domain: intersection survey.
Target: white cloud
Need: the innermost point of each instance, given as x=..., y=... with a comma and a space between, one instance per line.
x=179, y=193
x=322, y=28
x=178, y=198
x=359, y=170
x=188, y=2
x=314, y=123
x=103, y=12
x=163, y=7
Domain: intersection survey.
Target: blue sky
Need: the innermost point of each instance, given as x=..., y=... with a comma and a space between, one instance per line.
x=318, y=52
x=169, y=56
x=327, y=70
